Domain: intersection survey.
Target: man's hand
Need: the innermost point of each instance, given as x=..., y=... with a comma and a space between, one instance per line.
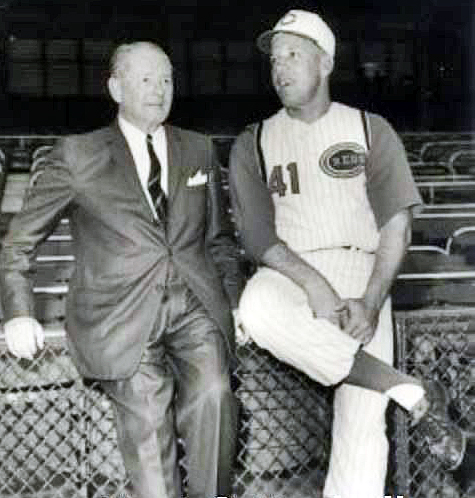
x=242, y=337
x=325, y=303
x=359, y=321
x=24, y=336
x=323, y=300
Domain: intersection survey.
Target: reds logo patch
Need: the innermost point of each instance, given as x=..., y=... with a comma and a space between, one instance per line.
x=289, y=18
x=343, y=160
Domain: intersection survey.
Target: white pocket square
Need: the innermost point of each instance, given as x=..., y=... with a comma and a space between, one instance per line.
x=199, y=179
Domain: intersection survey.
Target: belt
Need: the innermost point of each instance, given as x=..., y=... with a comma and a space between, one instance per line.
x=346, y=248
x=356, y=249
x=350, y=248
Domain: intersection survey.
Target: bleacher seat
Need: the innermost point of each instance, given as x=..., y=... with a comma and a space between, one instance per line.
x=423, y=259
x=19, y=158
x=14, y=191
x=458, y=189
x=463, y=162
x=39, y=156
x=41, y=151
x=430, y=276
x=462, y=242
x=414, y=141
x=443, y=149
x=431, y=170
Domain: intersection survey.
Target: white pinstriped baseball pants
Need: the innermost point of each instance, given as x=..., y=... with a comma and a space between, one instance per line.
x=275, y=313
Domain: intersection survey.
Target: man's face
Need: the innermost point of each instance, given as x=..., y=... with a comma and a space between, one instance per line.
x=296, y=69
x=143, y=87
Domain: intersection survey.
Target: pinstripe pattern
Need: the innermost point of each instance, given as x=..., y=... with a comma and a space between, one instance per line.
x=275, y=312
x=328, y=213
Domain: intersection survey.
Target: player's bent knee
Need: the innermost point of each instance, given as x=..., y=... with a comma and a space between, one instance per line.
x=252, y=308
x=259, y=303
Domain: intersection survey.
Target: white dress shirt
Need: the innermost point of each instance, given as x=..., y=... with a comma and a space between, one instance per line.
x=136, y=139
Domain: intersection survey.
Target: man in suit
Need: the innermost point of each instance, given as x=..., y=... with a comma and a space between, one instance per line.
x=147, y=313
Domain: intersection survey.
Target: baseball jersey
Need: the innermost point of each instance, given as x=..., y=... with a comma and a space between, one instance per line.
x=316, y=175
x=331, y=183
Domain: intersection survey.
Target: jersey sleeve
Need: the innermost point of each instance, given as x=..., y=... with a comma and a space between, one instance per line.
x=251, y=202
x=390, y=184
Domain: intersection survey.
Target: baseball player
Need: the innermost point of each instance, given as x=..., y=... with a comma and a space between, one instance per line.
x=323, y=197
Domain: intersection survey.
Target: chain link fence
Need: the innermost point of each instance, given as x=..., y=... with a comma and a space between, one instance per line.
x=436, y=344
x=284, y=437
x=58, y=436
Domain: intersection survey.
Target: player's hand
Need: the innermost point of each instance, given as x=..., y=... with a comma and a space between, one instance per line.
x=324, y=303
x=358, y=321
x=335, y=316
x=242, y=337
x=24, y=336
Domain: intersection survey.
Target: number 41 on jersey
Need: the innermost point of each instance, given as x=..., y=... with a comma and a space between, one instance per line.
x=276, y=182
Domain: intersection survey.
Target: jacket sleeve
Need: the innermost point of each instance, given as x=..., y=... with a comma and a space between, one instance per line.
x=46, y=199
x=252, y=205
x=220, y=238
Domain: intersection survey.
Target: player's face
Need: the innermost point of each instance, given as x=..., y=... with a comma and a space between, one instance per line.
x=143, y=87
x=296, y=69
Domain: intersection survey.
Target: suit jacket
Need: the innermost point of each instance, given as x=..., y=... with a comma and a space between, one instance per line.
x=121, y=253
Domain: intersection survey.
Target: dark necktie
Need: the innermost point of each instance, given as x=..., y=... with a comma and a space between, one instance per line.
x=158, y=195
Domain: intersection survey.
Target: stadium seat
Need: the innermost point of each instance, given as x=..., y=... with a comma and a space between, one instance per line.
x=19, y=158
x=443, y=149
x=38, y=155
x=423, y=259
x=462, y=162
x=462, y=242
x=429, y=170
x=41, y=151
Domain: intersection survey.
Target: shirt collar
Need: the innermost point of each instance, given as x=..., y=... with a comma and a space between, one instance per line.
x=131, y=132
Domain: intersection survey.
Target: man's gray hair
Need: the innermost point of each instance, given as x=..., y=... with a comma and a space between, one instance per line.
x=121, y=53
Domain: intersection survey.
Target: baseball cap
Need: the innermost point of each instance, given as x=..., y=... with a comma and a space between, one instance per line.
x=301, y=23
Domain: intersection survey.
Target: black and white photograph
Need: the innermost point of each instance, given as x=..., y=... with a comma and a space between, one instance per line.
x=237, y=249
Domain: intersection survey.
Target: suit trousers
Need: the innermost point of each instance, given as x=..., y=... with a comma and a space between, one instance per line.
x=181, y=389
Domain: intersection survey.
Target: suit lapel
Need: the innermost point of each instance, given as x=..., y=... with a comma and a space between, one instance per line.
x=175, y=162
x=177, y=173
x=124, y=160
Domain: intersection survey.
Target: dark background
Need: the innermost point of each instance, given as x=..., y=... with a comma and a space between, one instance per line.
x=411, y=61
